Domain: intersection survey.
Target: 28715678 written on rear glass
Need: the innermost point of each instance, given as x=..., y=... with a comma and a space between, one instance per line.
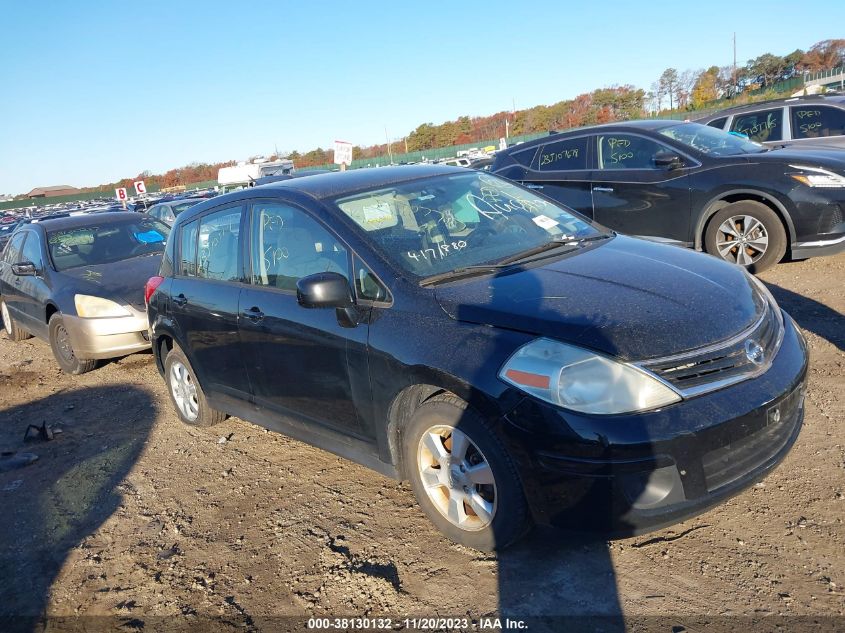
x=514, y=361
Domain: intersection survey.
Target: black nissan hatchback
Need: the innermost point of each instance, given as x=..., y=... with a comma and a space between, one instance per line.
x=514, y=361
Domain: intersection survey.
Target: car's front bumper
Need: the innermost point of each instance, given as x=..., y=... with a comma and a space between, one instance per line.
x=629, y=474
x=107, y=337
x=803, y=250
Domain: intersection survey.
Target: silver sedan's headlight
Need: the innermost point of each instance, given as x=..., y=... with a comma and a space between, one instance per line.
x=583, y=381
x=96, y=307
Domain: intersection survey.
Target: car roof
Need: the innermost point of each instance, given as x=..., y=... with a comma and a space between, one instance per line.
x=336, y=183
x=64, y=222
x=642, y=124
x=825, y=98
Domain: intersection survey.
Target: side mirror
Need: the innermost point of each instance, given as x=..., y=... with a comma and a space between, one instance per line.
x=24, y=269
x=668, y=160
x=324, y=290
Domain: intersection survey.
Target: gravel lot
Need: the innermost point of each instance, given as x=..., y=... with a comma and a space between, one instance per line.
x=129, y=514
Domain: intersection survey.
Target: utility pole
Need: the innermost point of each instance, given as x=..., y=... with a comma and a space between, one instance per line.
x=735, y=87
x=389, y=152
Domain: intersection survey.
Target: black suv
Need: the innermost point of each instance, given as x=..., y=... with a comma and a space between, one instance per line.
x=692, y=185
x=798, y=121
x=512, y=360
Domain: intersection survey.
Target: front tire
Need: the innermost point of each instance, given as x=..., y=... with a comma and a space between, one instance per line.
x=13, y=331
x=747, y=233
x=463, y=477
x=185, y=391
x=63, y=349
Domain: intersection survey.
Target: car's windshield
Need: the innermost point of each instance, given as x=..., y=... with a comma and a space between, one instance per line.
x=106, y=242
x=439, y=224
x=709, y=140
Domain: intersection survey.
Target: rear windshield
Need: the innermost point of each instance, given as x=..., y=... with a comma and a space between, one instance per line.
x=106, y=243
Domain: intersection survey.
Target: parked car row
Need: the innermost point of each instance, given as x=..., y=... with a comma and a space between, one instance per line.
x=513, y=359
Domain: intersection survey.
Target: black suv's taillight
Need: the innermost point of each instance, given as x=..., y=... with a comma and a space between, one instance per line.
x=150, y=287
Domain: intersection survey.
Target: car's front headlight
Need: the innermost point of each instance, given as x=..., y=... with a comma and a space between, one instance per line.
x=97, y=307
x=584, y=381
x=818, y=177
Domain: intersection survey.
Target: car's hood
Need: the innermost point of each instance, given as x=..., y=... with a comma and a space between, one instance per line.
x=812, y=156
x=121, y=281
x=627, y=297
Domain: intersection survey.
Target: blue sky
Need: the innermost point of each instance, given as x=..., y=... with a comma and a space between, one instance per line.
x=94, y=91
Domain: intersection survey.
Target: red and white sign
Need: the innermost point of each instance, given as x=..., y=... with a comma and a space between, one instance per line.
x=120, y=193
x=140, y=187
x=342, y=153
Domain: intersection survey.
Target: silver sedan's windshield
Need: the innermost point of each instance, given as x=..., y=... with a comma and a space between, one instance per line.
x=443, y=223
x=709, y=140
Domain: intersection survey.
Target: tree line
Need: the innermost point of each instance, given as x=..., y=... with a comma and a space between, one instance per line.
x=695, y=89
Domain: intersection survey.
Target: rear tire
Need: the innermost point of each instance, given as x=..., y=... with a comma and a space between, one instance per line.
x=63, y=349
x=13, y=331
x=468, y=487
x=756, y=230
x=185, y=391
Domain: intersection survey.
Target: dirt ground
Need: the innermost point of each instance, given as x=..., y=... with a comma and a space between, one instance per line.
x=129, y=514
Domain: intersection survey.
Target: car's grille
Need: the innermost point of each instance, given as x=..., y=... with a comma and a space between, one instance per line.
x=719, y=365
x=729, y=463
x=830, y=218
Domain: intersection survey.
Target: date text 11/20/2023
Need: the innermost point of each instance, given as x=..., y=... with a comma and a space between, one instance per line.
x=416, y=624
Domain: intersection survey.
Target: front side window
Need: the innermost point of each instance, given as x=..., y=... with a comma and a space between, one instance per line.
x=217, y=245
x=288, y=244
x=13, y=250
x=32, y=251
x=564, y=155
x=817, y=121
x=435, y=225
x=762, y=126
x=627, y=151
x=106, y=243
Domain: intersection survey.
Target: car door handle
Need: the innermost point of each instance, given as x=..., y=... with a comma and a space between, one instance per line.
x=253, y=314
x=530, y=186
x=603, y=189
x=180, y=300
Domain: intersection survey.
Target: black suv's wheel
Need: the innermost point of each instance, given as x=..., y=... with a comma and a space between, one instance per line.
x=63, y=349
x=462, y=476
x=185, y=391
x=747, y=233
x=14, y=332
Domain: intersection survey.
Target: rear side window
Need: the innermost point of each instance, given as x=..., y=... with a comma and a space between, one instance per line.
x=564, y=155
x=288, y=244
x=817, y=121
x=626, y=151
x=217, y=245
x=13, y=250
x=719, y=123
x=762, y=126
x=188, y=249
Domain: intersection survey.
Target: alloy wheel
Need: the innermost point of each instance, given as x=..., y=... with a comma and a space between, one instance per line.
x=184, y=391
x=742, y=239
x=457, y=477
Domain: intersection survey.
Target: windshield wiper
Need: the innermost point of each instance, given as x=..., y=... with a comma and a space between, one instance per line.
x=558, y=242
x=515, y=260
x=463, y=271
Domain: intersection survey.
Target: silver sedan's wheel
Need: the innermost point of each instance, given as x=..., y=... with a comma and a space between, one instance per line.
x=457, y=477
x=7, y=320
x=742, y=239
x=184, y=391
